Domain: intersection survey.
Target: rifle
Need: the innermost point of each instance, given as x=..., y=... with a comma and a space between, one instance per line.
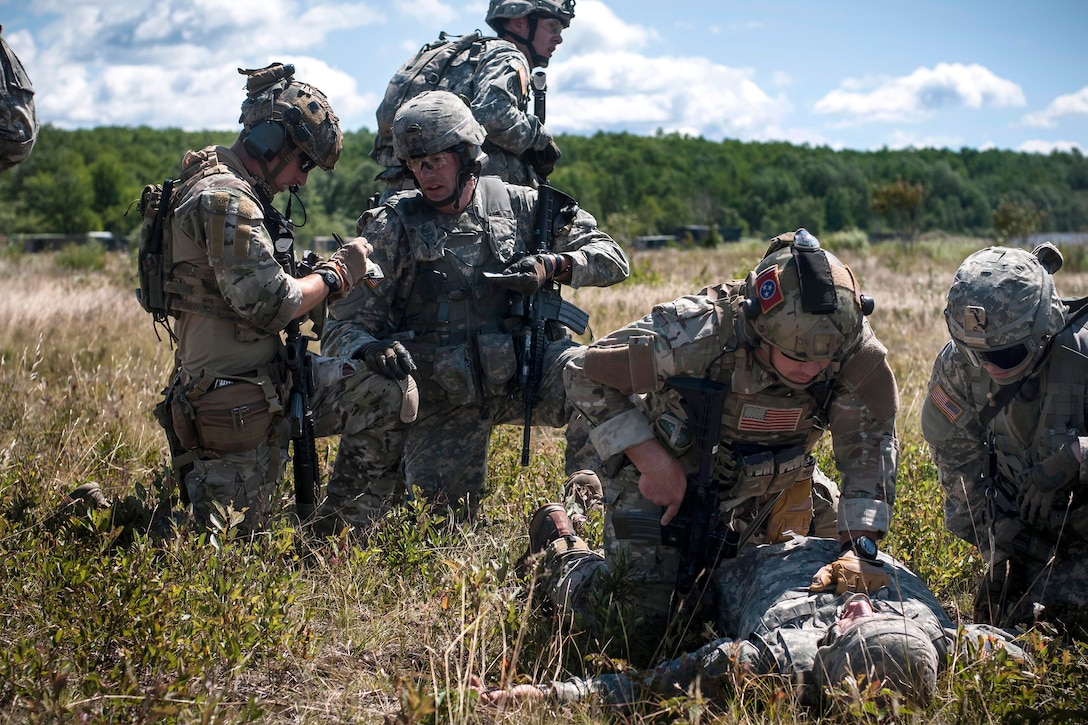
x=303, y=381
x=554, y=210
x=695, y=530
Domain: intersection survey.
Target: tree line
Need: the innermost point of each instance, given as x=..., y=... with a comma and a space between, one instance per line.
x=87, y=180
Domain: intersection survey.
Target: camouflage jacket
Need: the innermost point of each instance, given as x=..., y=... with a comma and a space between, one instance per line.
x=775, y=625
x=698, y=335
x=18, y=120
x=494, y=76
x=220, y=241
x=1048, y=411
x=434, y=292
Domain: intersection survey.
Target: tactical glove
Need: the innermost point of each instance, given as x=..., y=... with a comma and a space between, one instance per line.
x=350, y=263
x=542, y=160
x=529, y=274
x=1042, y=485
x=387, y=357
x=850, y=573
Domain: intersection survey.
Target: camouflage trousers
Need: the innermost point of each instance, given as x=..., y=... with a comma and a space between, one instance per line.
x=636, y=578
x=247, y=481
x=443, y=453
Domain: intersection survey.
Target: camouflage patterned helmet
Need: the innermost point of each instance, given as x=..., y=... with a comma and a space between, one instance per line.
x=1003, y=307
x=303, y=110
x=890, y=648
x=562, y=10
x=804, y=301
x=436, y=121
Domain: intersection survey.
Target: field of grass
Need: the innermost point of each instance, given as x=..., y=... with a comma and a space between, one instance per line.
x=104, y=623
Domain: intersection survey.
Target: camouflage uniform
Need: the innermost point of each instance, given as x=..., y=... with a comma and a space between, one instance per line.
x=987, y=466
x=18, y=121
x=776, y=625
x=494, y=76
x=459, y=329
x=230, y=351
x=769, y=428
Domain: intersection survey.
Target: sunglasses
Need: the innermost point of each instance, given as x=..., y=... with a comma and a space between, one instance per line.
x=306, y=163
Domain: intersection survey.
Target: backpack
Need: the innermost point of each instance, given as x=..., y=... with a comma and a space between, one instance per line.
x=153, y=258
x=424, y=72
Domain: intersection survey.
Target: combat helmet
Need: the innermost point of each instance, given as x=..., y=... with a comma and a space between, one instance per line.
x=804, y=301
x=893, y=649
x=278, y=108
x=437, y=121
x=1003, y=307
x=561, y=10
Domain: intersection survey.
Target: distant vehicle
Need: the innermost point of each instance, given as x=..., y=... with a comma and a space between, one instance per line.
x=52, y=242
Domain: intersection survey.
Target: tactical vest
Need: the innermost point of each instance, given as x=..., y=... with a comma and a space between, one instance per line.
x=451, y=311
x=193, y=287
x=1052, y=401
x=771, y=431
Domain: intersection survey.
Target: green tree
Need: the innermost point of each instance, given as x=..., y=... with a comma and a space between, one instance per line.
x=901, y=203
x=1016, y=221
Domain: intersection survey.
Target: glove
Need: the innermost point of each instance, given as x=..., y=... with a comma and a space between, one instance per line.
x=349, y=262
x=529, y=274
x=387, y=357
x=850, y=573
x=1044, y=481
x=542, y=160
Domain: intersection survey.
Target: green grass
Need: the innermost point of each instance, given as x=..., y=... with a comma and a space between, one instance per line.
x=103, y=622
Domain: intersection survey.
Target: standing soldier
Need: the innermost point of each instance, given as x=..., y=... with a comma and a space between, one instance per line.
x=452, y=250
x=796, y=357
x=18, y=121
x=493, y=74
x=1007, y=420
x=232, y=299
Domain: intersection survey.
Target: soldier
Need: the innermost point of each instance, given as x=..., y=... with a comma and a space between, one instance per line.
x=898, y=634
x=1006, y=418
x=452, y=250
x=232, y=299
x=18, y=121
x=493, y=73
x=797, y=358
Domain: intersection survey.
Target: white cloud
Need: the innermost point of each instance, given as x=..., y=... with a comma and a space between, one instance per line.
x=174, y=63
x=602, y=81
x=917, y=96
x=1037, y=146
x=1071, y=104
x=429, y=12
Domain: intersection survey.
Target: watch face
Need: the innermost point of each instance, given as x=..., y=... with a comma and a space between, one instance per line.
x=865, y=547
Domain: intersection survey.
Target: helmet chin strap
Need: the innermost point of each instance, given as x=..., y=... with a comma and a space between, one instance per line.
x=535, y=59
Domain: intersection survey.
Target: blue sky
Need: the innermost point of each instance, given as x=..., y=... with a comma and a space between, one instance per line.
x=857, y=75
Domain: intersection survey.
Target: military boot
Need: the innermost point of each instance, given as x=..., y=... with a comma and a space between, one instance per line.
x=549, y=523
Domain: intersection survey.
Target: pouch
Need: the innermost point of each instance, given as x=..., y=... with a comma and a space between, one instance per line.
x=233, y=416
x=453, y=373
x=498, y=361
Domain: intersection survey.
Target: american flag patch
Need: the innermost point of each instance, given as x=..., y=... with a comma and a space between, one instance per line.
x=945, y=404
x=771, y=420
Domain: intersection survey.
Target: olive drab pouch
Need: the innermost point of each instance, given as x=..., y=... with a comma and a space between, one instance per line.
x=453, y=373
x=234, y=415
x=498, y=361
x=772, y=471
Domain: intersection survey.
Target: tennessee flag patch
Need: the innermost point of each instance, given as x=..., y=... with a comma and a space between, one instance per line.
x=945, y=404
x=768, y=289
x=770, y=420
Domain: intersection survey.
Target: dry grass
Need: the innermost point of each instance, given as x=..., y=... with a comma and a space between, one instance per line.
x=101, y=628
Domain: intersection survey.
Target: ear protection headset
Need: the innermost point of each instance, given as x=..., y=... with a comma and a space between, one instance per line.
x=267, y=138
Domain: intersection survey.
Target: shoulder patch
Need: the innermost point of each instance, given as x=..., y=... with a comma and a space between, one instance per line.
x=769, y=290
x=945, y=404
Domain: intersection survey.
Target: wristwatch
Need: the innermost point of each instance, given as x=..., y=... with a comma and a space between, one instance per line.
x=331, y=278
x=863, y=546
